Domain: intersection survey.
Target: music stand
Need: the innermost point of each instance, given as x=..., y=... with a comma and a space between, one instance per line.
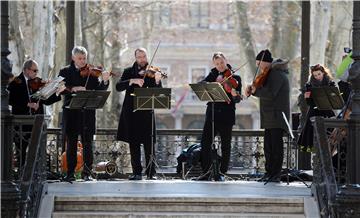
x=150, y=99
x=212, y=92
x=287, y=172
x=327, y=98
x=88, y=100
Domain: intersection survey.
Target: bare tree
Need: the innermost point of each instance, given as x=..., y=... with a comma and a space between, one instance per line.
x=320, y=23
x=244, y=33
x=16, y=33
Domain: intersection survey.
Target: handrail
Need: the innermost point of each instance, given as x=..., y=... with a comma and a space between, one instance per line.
x=33, y=178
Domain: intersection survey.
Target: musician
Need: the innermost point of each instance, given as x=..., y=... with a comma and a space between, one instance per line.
x=224, y=118
x=77, y=121
x=23, y=104
x=135, y=127
x=319, y=76
x=274, y=99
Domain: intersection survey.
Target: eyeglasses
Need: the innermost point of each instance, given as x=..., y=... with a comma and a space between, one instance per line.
x=316, y=68
x=35, y=70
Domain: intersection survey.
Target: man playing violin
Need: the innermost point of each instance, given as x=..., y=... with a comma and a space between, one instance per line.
x=224, y=116
x=273, y=93
x=22, y=103
x=76, y=121
x=135, y=127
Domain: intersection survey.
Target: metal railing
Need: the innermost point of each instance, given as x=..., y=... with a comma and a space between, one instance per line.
x=331, y=168
x=29, y=161
x=246, y=149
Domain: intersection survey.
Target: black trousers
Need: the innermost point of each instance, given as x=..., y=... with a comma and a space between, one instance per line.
x=71, y=152
x=274, y=150
x=135, y=153
x=206, y=140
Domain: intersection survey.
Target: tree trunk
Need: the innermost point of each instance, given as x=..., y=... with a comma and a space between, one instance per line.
x=339, y=32
x=244, y=35
x=43, y=36
x=16, y=35
x=84, y=23
x=276, y=43
x=320, y=23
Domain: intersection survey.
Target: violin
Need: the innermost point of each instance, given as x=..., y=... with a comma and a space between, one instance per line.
x=150, y=72
x=261, y=78
x=228, y=81
x=91, y=70
x=35, y=84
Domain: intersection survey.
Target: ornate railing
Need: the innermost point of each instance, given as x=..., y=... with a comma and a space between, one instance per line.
x=331, y=169
x=29, y=169
x=246, y=149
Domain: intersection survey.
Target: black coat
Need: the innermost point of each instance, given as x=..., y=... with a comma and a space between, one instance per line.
x=134, y=127
x=275, y=97
x=72, y=119
x=224, y=112
x=305, y=140
x=19, y=97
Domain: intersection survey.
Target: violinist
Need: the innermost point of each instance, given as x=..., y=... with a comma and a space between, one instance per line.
x=135, y=127
x=20, y=91
x=224, y=115
x=273, y=92
x=319, y=76
x=77, y=121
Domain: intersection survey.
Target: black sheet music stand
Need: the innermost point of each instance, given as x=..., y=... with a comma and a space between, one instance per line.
x=212, y=92
x=327, y=98
x=150, y=99
x=88, y=100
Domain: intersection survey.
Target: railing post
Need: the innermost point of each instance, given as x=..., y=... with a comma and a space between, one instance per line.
x=348, y=198
x=10, y=194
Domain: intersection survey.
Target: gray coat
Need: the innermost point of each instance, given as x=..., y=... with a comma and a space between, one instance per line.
x=275, y=96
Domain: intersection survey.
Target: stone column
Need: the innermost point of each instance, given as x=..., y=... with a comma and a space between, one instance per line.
x=347, y=203
x=10, y=194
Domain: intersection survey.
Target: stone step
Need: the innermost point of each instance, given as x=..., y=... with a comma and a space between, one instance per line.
x=83, y=214
x=197, y=205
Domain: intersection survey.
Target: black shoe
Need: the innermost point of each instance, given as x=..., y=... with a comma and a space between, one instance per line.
x=203, y=178
x=275, y=179
x=220, y=178
x=87, y=178
x=69, y=178
x=135, y=177
x=151, y=178
x=264, y=178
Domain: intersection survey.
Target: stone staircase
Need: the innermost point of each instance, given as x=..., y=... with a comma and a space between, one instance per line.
x=176, y=198
x=180, y=206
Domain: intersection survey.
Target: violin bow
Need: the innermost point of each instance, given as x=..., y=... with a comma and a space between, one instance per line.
x=258, y=67
x=234, y=71
x=152, y=58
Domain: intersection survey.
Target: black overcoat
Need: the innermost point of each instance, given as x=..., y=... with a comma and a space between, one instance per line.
x=134, y=127
x=275, y=97
x=73, y=119
x=305, y=140
x=19, y=97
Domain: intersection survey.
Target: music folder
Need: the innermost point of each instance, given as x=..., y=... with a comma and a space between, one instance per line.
x=213, y=92
x=327, y=98
x=89, y=99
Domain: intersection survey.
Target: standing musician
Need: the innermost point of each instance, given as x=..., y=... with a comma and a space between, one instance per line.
x=77, y=121
x=320, y=76
x=135, y=127
x=272, y=87
x=20, y=91
x=224, y=116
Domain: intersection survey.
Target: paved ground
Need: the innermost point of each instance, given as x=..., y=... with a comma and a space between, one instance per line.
x=177, y=188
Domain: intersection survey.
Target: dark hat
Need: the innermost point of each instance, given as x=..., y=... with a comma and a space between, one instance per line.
x=265, y=56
